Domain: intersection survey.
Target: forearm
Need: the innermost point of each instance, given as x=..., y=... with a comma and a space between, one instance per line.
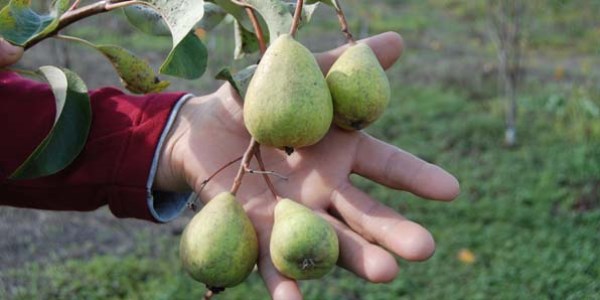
x=115, y=165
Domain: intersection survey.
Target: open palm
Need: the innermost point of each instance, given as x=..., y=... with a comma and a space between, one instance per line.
x=210, y=132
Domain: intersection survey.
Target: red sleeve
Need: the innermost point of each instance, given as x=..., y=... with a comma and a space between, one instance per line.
x=114, y=165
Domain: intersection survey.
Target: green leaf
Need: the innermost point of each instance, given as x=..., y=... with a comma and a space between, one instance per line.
x=180, y=15
x=245, y=41
x=188, y=60
x=307, y=11
x=213, y=15
x=236, y=11
x=240, y=80
x=332, y=3
x=137, y=76
x=71, y=126
x=19, y=23
x=147, y=20
x=276, y=14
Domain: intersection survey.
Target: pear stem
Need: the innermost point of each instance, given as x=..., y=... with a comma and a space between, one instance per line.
x=237, y=182
x=265, y=175
x=262, y=45
x=297, y=18
x=343, y=23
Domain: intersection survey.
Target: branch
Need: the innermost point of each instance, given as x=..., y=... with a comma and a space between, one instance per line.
x=297, y=18
x=75, y=15
x=343, y=23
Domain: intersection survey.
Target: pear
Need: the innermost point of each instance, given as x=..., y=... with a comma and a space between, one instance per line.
x=288, y=104
x=303, y=245
x=359, y=88
x=219, y=246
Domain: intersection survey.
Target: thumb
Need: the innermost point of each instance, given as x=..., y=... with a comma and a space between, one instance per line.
x=9, y=54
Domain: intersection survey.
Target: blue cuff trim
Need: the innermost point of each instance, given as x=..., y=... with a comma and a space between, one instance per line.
x=166, y=206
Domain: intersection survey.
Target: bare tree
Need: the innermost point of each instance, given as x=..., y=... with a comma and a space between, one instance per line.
x=506, y=18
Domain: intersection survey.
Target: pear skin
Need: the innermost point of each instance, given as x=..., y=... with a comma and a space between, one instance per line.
x=288, y=103
x=359, y=87
x=303, y=245
x=219, y=246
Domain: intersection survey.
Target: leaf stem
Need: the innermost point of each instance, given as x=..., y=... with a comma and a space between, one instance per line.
x=74, y=39
x=297, y=17
x=343, y=23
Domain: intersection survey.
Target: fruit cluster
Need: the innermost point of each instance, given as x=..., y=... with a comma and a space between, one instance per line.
x=289, y=104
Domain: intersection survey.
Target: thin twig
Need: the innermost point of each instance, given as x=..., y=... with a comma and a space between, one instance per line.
x=237, y=182
x=74, y=5
x=205, y=182
x=343, y=23
x=112, y=6
x=297, y=18
x=261, y=164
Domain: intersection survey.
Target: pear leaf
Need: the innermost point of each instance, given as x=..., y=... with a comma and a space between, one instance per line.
x=213, y=15
x=147, y=20
x=20, y=24
x=70, y=130
x=276, y=14
x=239, y=80
x=245, y=41
x=332, y=3
x=236, y=11
x=137, y=76
x=180, y=15
x=187, y=60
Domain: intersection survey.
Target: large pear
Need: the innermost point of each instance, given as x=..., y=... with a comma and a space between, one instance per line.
x=359, y=88
x=303, y=245
x=288, y=104
x=219, y=246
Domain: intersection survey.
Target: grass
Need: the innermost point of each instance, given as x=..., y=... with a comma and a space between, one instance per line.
x=530, y=216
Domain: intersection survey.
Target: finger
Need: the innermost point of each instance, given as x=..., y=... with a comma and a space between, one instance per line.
x=387, y=46
x=362, y=258
x=382, y=225
x=279, y=286
x=398, y=169
x=9, y=54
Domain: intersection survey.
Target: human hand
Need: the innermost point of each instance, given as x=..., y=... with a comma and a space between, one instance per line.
x=209, y=132
x=9, y=54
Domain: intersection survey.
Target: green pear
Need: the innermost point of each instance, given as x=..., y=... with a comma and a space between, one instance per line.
x=219, y=246
x=303, y=245
x=359, y=88
x=288, y=104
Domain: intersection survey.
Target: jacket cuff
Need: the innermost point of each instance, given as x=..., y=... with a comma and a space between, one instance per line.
x=165, y=206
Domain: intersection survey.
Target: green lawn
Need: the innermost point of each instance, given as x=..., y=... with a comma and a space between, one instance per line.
x=529, y=215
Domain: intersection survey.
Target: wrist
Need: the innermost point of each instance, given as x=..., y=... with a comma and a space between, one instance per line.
x=169, y=172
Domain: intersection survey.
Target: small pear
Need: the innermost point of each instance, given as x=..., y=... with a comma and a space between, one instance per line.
x=219, y=246
x=359, y=88
x=288, y=103
x=303, y=245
